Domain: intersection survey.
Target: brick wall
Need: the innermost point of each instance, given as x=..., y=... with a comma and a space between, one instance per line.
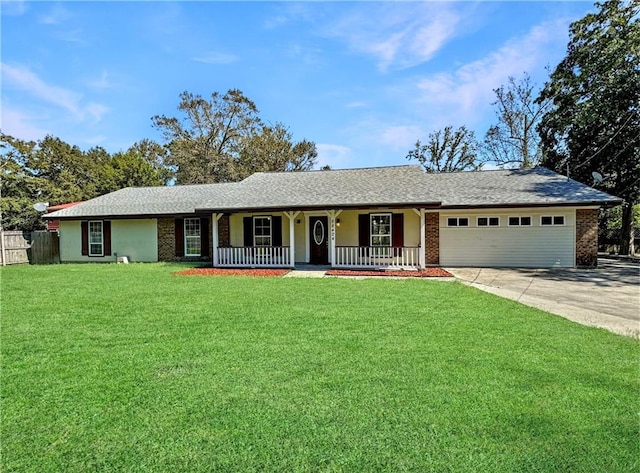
x=432, y=238
x=587, y=238
x=224, y=240
x=167, y=241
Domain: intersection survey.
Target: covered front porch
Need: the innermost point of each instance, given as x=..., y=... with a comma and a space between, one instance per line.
x=380, y=238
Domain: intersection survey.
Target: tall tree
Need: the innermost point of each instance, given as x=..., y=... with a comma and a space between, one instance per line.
x=53, y=171
x=514, y=141
x=273, y=149
x=594, y=124
x=156, y=155
x=448, y=151
x=223, y=139
x=19, y=189
x=203, y=145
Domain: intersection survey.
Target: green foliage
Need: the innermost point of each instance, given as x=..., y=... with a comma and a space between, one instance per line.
x=514, y=140
x=448, y=151
x=273, y=149
x=53, y=171
x=224, y=140
x=128, y=368
x=594, y=123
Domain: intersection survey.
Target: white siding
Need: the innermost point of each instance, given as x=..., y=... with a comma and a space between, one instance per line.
x=536, y=246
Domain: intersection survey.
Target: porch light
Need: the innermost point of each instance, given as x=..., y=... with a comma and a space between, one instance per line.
x=337, y=222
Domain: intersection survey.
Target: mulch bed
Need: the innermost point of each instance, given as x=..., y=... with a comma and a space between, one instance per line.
x=424, y=273
x=273, y=273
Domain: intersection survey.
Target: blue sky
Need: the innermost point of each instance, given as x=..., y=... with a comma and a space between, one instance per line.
x=363, y=80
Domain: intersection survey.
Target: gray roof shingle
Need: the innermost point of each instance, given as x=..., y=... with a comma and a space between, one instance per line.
x=366, y=187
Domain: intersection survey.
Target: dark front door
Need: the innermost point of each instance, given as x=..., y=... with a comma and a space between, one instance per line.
x=319, y=235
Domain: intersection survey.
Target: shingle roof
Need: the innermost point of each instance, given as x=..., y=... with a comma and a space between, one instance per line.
x=536, y=186
x=367, y=187
x=396, y=185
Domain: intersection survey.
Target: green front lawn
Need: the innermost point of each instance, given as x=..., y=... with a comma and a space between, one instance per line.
x=129, y=368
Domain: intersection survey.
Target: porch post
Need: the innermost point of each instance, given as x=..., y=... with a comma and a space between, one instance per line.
x=421, y=249
x=292, y=242
x=214, y=231
x=332, y=235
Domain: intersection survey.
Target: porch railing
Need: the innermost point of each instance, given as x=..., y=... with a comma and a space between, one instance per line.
x=271, y=256
x=405, y=257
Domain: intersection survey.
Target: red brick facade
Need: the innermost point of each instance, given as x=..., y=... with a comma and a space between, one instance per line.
x=587, y=238
x=432, y=238
x=167, y=242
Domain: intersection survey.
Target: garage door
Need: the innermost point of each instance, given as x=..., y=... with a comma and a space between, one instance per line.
x=530, y=245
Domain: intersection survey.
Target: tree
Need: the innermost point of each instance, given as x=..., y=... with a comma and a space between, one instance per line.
x=203, y=145
x=53, y=171
x=273, y=149
x=514, y=139
x=448, y=151
x=19, y=190
x=594, y=123
x=156, y=155
x=223, y=140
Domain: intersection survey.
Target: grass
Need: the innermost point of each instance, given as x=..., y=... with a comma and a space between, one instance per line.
x=128, y=368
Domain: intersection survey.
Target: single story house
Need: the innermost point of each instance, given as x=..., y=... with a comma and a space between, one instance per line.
x=386, y=217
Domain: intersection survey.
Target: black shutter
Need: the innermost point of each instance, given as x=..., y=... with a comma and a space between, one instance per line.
x=247, y=224
x=397, y=233
x=106, y=237
x=276, y=230
x=204, y=237
x=364, y=230
x=179, y=235
x=84, y=229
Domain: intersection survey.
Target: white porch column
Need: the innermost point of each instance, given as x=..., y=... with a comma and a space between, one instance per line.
x=421, y=249
x=332, y=235
x=292, y=242
x=214, y=233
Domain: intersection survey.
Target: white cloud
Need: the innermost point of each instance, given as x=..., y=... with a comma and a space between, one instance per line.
x=96, y=110
x=467, y=93
x=216, y=58
x=401, y=137
x=20, y=125
x=13, y=7
x=336, y=156
x=356, y=104
x=398, y=36
x=19, y=77
x=101, y=83
x=55, y=16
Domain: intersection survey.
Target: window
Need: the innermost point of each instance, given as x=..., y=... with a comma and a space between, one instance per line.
x=457, y=222
x=192, y=237
x=261, y=231
x=557, y=220
x=488, y=221
x=96, y=238
x=380, y=229
x=519, y=221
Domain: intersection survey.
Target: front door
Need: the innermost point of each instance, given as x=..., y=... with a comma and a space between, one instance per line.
x=319, y=235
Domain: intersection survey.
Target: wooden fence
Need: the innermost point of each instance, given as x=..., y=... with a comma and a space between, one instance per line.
x=18, y=247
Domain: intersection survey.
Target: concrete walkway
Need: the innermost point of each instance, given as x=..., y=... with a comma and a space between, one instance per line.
x=606, y=297
x=308, y=271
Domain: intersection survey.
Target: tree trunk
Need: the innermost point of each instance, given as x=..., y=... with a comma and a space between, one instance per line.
x=626, y=230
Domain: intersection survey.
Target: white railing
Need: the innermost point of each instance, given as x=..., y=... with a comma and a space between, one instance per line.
x=271, y=256
x=406, y=257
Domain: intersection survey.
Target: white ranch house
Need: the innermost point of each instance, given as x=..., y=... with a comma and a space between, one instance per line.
x=389, y=217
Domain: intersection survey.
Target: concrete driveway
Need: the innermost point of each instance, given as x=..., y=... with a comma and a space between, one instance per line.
x=606, y=297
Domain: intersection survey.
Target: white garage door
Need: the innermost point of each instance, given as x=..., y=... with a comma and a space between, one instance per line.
x=526, y=246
